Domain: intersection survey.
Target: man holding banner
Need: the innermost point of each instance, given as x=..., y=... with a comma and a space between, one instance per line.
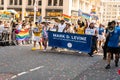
x=61, y=26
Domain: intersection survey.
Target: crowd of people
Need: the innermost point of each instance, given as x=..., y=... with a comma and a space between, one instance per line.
x=104, y=37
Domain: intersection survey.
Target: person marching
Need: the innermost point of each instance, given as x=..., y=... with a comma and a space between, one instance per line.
x=45, y=35
x=81, y=27
x=61, y=26
x=101, y=33
x=91, y=30
x=106, y=42
x=37, y=35
x=68, y=28
x=113, y=44
x=53, y=28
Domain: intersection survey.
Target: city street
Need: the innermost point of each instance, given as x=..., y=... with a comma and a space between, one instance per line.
x=91, y=26
x=20, y=63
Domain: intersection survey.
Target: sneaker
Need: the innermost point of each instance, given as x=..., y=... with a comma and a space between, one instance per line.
x=52, y=48
x=104, y=58
x=44, y=50
x=80, y=52
x=107, y=67
x=41, y=48
x=33, y=49
x=90, y=54
x=116, y=63
x=95, y=52
x=65, y=50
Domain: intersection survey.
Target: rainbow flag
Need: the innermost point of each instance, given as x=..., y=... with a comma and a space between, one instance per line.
x=85, y=15
x=93, y=11
x=22, y=35
x=66, y=17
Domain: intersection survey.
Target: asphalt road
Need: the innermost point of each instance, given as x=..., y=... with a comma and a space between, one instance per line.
x=20, y=63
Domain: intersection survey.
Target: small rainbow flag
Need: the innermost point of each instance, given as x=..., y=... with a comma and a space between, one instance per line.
x=22, y=35
x=66, y=17
x=93, y=11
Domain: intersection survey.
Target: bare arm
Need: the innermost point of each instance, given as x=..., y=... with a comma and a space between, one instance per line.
x=96, y=32
x=86, y=23
x=57, y=28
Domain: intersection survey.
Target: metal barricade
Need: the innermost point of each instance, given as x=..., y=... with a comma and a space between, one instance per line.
x=4, y=38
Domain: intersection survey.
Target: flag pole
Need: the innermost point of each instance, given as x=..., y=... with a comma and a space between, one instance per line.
x=35, y=10
x=34, y=16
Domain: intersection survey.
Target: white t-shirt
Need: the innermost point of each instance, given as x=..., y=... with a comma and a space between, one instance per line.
x=1, y=28
x=89, y=31
x=53, y=29
x=61, y=27
x=19, y=27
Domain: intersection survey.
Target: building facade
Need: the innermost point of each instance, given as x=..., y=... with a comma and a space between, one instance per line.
x=50, y=8
x=110, y=10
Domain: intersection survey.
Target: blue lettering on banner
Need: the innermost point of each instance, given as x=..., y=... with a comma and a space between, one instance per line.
x=70, y=41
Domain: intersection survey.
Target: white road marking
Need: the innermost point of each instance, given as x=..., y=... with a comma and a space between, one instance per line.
x=23, y=73
x=20, y=74
x=13, y=77
x=36, y=68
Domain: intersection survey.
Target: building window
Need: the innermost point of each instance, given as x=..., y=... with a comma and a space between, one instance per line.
x=20, y=2
x=11, y=2
x=55, y=2
x=61, y=3
x=49, y=2
x=54, y=13
x=2, y=2
x=40, y=2
x=29, y=2
x=114, y=5
x=15, y=2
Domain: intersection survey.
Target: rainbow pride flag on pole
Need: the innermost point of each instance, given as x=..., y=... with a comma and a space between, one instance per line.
x=66, y=17
x=22, y=35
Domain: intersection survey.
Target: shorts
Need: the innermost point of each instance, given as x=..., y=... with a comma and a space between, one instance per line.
x=37, y=38
x=101, y=37
x=113, y=50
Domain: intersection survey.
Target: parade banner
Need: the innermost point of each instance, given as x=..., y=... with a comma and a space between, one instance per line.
x=70, y=41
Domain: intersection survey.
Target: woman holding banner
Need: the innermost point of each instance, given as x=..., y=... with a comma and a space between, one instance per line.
x=91, y=30
x=69, y=28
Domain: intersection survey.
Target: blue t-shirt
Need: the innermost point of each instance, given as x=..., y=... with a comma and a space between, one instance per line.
x=100, y=30
x=114, y=38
